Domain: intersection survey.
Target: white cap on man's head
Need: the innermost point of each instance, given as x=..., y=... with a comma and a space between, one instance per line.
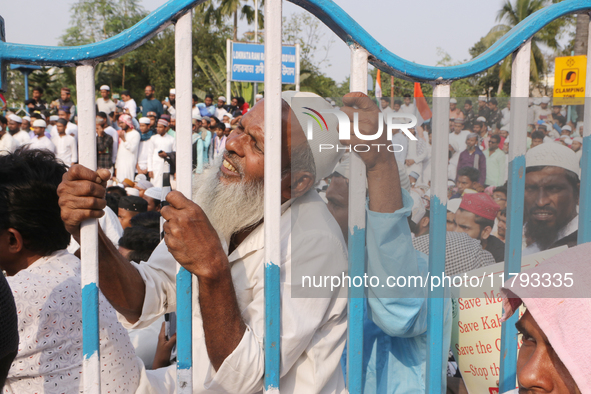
x=131, y=191
x=545, y=99
x=258, y=96
x=481, y=98
x=454, y=204
x=196, y=116
x=144, y=120
x=552, y=154
x=155, y=193
x=39, y=123
x=53, y=118
x=105, y=87
x=481, y=119
x=172, y=91
x=222, y=98
x=567, y=128
x=326, y=160
x=15, y=118
x=453, y=101
x=27, y=118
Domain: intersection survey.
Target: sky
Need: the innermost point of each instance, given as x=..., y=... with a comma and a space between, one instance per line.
x=412, y=30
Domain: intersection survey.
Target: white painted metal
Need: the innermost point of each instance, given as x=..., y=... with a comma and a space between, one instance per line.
x=297, y=67
x=228, y=70
x=587, y=110
x=358, y=83
x=519, y=99
x=273, y=42
x=439, y=154
x=91, y=371
x=184, y=91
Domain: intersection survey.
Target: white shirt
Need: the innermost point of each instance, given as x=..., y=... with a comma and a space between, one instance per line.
x=106, y=106
x=195, y=113
x=313, y=329
x=41, y=143
x=400, y=139
x=408, y=109
x=127, y=155
x=129, y=104
x=66, y=149
x=157, y=165
x=49, y=360
x=460, y=139
x=7, y=144
x=142, y=154
x=71, y=129
x=22, y=137
x=220, y=112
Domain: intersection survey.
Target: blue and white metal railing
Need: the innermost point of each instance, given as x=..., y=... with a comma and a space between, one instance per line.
x=356, y=242
x=364, y=49
x=437, y=231
x=183, y=49
x=515, y=200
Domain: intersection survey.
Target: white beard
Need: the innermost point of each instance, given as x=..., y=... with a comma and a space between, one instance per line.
x=229, y=208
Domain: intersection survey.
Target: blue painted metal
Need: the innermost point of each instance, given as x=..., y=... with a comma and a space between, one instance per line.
x=26, y=70
x=584, y=234
x=90, y=317
x=356, y=246
x=184, y=315
x=513, y=244
x=272, y=326
x=330, y=13
x=436, y=300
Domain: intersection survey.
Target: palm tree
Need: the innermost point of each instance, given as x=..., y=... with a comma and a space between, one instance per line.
x=509, y=16
x=221, y=8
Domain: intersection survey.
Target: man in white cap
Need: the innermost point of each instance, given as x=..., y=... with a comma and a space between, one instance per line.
x=542, y=112
x=577, y=146
x=14, y=129
x=160, y=142
x=483, y=110
x=104, y=103
x=257, y=98
x=7, y=143
x=154, y=196
x=26, y=125
x=142, y=157
x=454, y=111
x=222, y=108
x=221, y=242
x=71, y=128
x=551, y=198
x=66, y=148
x=40, y=141
x=128, y=149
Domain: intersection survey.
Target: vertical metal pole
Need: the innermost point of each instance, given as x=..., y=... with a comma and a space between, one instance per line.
x=256, y=40
x=584, y=234
x=229, y=70
x=516, y=183
x=437, y=231
x=297, y=67
x=359, y=60
x=183, y=48
x=273, y=33
x=26, y=75
x=91, y=370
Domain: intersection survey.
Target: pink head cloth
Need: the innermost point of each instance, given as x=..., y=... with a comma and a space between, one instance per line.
x=126, y=119
x=563, y=313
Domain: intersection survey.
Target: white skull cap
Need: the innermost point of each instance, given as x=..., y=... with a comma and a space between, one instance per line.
x=552, y=154
x=326, y=160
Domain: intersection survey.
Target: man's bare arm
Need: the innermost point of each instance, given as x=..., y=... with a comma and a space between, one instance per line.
x=82, y=196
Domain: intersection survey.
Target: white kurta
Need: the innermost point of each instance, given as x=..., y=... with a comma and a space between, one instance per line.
x=49, y=360
x=313, y=329
x=105, y=106
x=142, y=154
x=66, y=149
x=22, y=137
x=157, y=165
x=7, y=144
x=130, y=105
x=71, y=129
x=42, y=143
x=127, y=155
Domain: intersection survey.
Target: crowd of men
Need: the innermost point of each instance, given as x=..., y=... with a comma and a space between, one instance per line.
x=218, y=236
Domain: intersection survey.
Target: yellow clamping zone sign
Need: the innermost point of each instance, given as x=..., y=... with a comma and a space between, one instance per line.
x=570, y=74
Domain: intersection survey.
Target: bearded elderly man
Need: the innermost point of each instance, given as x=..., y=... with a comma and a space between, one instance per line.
x=551, y=198
x=220, y=239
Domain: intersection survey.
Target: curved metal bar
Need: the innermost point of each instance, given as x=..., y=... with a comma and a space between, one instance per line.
x=327, y=11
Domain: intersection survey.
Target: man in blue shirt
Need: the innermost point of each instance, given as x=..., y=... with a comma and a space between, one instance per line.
x=150, y=103
x=395, y=326
x=207, y=108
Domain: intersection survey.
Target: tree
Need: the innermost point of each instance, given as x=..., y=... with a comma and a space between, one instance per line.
x=512, y=14
x=218, y=10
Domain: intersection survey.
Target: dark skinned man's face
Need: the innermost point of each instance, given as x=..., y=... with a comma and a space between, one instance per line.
x=244, y=159
x=539, y=369
x=464, y=183
x=208, y=101
x=550, y=201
